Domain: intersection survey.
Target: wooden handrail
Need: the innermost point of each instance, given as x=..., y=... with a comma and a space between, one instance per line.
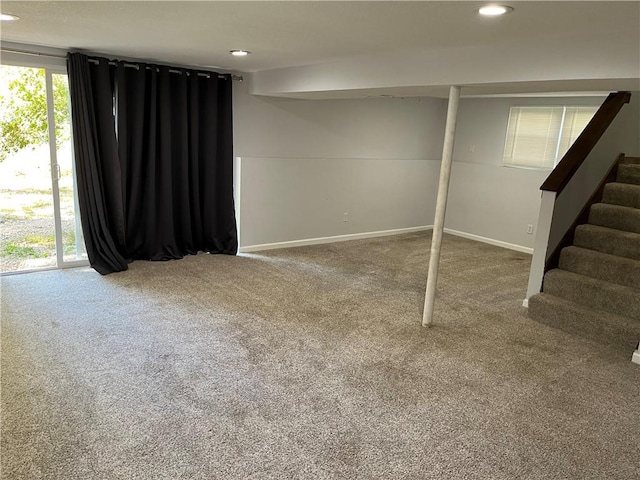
x=578, y=152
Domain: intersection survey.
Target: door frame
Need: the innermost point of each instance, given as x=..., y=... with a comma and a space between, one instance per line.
x=52, y=63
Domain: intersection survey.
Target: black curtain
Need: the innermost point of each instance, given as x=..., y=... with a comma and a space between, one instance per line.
x=154, y=157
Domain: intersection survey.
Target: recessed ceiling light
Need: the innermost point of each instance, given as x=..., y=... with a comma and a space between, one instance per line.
x=239, y=53
x=494, y=10
x=7, y=17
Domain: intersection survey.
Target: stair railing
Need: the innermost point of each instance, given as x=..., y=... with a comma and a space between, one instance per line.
x=547, y=245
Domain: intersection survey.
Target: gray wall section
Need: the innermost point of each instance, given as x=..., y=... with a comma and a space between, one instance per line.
x=286, y=199
x=485, y=198
x=307, y=162
x=622, y=136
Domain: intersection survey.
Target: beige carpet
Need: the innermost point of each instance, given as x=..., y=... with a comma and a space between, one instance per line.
x=307, y=363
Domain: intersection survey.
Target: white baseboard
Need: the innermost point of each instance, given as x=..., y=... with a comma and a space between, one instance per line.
x=525, y=303
x=490, y=241
x=381, y=233
x=337, y=238
x=635, y=358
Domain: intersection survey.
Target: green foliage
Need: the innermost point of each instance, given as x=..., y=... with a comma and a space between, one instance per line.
x=22, y=251
x=49, y=241
x=23, y=104
x=31, y=246
x=35, y=246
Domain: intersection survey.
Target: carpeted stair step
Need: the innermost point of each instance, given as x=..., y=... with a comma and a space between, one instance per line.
x=608, y=240
x=628, y=173
x=599, y=326
x=611, y=268
x=615, y=216
x=624, y=194
x=593, y=293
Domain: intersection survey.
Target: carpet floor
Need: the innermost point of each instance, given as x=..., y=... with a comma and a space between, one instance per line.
x=307, y=363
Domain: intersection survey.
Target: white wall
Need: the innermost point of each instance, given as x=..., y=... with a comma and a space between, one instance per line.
x=305, y=163
x=485, y=198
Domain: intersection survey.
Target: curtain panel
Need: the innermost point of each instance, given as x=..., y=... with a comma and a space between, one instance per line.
x=154, y=161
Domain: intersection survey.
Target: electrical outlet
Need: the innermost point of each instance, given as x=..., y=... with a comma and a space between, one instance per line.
x=345, y=218
x=529, y=228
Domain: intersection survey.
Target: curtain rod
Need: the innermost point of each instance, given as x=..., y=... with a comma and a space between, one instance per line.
x=137, y=67
x=237, y=78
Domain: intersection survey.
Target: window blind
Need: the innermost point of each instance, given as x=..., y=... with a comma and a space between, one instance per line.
x=538, y=137
x=576, y=119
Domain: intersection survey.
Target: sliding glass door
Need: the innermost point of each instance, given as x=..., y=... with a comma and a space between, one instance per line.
x=39, y=219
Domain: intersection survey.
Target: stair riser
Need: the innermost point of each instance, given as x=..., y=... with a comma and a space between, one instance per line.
x=622, y=194
x=594, y=325
x=627, y=219
x=629, y=174
x=583, y=291
x=613, y=242
x=609, y=268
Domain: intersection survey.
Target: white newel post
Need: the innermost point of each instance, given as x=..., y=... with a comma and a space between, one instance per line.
x=237, y=193
x=547, y=204
x=441, y=205
x=636, y=356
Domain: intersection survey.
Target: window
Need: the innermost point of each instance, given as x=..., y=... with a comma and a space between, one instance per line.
x=538, y=137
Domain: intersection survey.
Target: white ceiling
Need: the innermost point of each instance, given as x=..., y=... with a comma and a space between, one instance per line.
x=294, y=34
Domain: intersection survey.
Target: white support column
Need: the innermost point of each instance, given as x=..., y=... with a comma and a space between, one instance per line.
x=441, y=205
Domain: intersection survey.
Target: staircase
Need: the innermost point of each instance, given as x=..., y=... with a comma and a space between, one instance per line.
x=595, y=291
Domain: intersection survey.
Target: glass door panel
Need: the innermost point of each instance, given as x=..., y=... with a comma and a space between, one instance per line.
x=39, y=219
x=27, y=238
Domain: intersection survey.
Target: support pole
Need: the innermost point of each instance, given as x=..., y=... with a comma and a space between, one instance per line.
x=441, y=205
